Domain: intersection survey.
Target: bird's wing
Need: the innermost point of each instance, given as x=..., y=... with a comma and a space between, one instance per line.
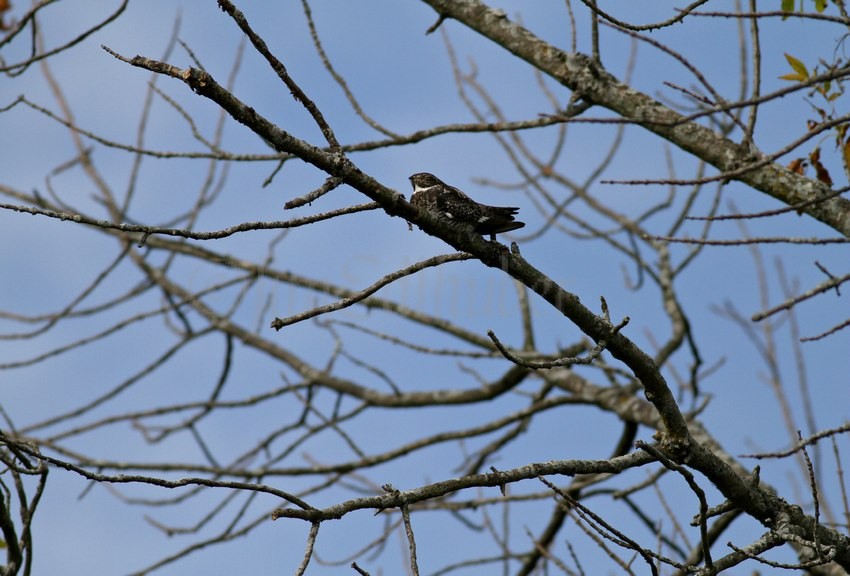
x=457, y=205
x=458, y=191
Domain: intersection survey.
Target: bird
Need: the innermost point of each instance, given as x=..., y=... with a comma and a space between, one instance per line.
x=432, y=194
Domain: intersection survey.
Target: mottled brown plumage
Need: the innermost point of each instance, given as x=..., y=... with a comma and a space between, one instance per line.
x=432, y=194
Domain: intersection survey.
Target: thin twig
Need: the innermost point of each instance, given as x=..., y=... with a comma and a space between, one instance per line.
x=308, y=553
x=147, y=231
x=279, y=323
x=411, y=540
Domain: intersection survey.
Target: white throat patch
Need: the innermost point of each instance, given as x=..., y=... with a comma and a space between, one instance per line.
x=418, y=188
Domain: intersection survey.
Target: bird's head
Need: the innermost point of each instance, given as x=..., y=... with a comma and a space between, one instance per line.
x=423, y=180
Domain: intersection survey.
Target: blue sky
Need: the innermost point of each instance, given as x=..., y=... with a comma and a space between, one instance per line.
x=404, y=80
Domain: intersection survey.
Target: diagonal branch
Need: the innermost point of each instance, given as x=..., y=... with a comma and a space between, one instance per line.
x=279, y=323
x=581, y=74
x=280, y=70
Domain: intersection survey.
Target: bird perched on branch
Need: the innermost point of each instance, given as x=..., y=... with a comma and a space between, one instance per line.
x=432, y=194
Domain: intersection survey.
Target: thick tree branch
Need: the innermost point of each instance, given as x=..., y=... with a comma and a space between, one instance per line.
x=594, y=84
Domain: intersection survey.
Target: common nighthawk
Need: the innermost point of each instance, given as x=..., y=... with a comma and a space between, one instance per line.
x=432, y=194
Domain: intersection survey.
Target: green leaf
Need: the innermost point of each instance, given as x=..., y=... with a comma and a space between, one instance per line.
x=820, y=5
x=798, y=66
x=787, y=5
